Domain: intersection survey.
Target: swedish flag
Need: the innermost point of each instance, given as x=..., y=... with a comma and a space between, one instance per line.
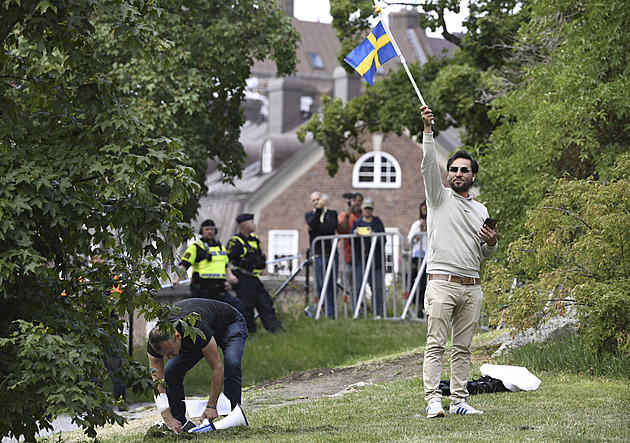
x=371, y=53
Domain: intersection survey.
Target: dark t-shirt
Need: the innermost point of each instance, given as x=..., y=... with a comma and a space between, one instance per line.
x=318, y=228
x=363, y=245
x=216, y=316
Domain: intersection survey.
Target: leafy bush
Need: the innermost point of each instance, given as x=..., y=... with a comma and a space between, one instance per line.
x=574, y=255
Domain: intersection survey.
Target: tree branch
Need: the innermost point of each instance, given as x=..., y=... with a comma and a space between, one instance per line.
x=571, y=213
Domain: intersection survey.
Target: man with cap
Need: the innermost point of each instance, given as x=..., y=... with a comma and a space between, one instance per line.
x=211, y=273
x=365, y=225
x=249, y=261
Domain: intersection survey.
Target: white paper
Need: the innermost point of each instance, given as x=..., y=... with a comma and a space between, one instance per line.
x=195, y=408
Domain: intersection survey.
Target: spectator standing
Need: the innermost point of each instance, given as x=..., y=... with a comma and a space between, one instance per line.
x=323, y=221
x=223, y=327
x=345, y=220
x=212, y=275
x=365, y=225
x=458, y=242
x=418, y=240
x=249, y=261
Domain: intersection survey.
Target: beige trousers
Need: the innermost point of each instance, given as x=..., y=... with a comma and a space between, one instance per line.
x=449, y=304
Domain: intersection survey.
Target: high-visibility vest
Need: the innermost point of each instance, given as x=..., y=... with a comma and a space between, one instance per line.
x=213, y=268
x=251, y=247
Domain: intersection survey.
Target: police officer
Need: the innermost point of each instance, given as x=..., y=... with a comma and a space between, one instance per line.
x=211, y=274
x=249, y=261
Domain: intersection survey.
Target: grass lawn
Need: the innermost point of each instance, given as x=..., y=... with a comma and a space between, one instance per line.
x=311, y=344
x=564, y=408
x=572, y=404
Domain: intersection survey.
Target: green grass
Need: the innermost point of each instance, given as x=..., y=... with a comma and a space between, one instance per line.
x=309, y=344
x=583, y=397
x=569, y=354
x=565, y=408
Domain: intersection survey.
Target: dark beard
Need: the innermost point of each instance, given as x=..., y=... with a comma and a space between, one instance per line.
x=464, y=187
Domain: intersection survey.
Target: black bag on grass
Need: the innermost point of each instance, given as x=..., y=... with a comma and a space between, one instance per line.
x=483, y=385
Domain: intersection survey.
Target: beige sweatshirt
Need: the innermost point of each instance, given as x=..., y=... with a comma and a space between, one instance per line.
x=453, y=222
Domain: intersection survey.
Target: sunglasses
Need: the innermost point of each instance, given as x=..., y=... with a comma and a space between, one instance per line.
x=464, y=169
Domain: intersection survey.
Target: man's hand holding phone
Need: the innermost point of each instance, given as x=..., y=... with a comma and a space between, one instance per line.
x=491, y=222
x=488, y=231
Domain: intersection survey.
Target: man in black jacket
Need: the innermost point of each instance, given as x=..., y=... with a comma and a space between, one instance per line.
x=323, y=221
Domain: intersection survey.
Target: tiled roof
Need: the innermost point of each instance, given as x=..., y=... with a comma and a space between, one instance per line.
x=225, y=201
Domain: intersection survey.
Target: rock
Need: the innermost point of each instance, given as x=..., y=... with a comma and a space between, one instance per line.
x=554, y=328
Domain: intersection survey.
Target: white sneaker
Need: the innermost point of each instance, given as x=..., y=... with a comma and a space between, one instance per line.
x=435, y=409
x=463, y=408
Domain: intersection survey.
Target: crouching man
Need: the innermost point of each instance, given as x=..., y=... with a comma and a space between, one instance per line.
x=224, y=327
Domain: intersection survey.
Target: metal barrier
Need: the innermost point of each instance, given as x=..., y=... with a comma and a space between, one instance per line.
x=414, y=294
x=363, y=279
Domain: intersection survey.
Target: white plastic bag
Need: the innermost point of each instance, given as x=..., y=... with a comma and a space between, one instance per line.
x=514, y=378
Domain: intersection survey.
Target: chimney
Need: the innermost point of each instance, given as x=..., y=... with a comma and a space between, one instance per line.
x=345, y=86
x=284, y=104
x=403, y=20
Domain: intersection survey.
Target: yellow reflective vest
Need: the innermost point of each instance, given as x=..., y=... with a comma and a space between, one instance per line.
x=252, y=259
x=213, y=268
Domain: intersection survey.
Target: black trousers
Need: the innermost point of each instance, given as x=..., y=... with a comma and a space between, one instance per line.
x=253, y=294
x=215, y=290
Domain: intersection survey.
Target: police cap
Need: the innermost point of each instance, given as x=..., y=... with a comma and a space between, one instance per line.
x=244, y=217
x=207, y=222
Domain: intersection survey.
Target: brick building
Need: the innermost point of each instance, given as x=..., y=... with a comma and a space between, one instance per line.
x=280, y=172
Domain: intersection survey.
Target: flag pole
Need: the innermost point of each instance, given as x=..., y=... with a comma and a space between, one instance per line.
x=402, y=59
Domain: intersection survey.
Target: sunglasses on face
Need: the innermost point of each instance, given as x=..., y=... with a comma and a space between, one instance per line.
x=464, y=169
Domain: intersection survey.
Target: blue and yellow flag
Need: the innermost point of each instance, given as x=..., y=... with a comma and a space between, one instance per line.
x=371, y=53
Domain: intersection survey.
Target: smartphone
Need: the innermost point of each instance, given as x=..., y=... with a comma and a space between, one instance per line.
x=491, y=222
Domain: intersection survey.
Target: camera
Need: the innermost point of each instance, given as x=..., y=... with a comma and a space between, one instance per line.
x=349, y=196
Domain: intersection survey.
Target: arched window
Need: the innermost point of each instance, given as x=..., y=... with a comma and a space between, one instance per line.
x=266, y=157
x=376, y=169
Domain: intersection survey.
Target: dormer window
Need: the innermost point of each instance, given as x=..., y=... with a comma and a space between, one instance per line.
x=266, y=157
x=376, y=170
x=316, y=60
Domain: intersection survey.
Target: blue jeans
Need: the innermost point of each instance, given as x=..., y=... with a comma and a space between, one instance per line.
x=232, y=345
x=376, y=284
x=320, y=270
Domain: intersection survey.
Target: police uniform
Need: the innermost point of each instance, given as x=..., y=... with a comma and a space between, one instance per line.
x=248, y=262
x=209, y=262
